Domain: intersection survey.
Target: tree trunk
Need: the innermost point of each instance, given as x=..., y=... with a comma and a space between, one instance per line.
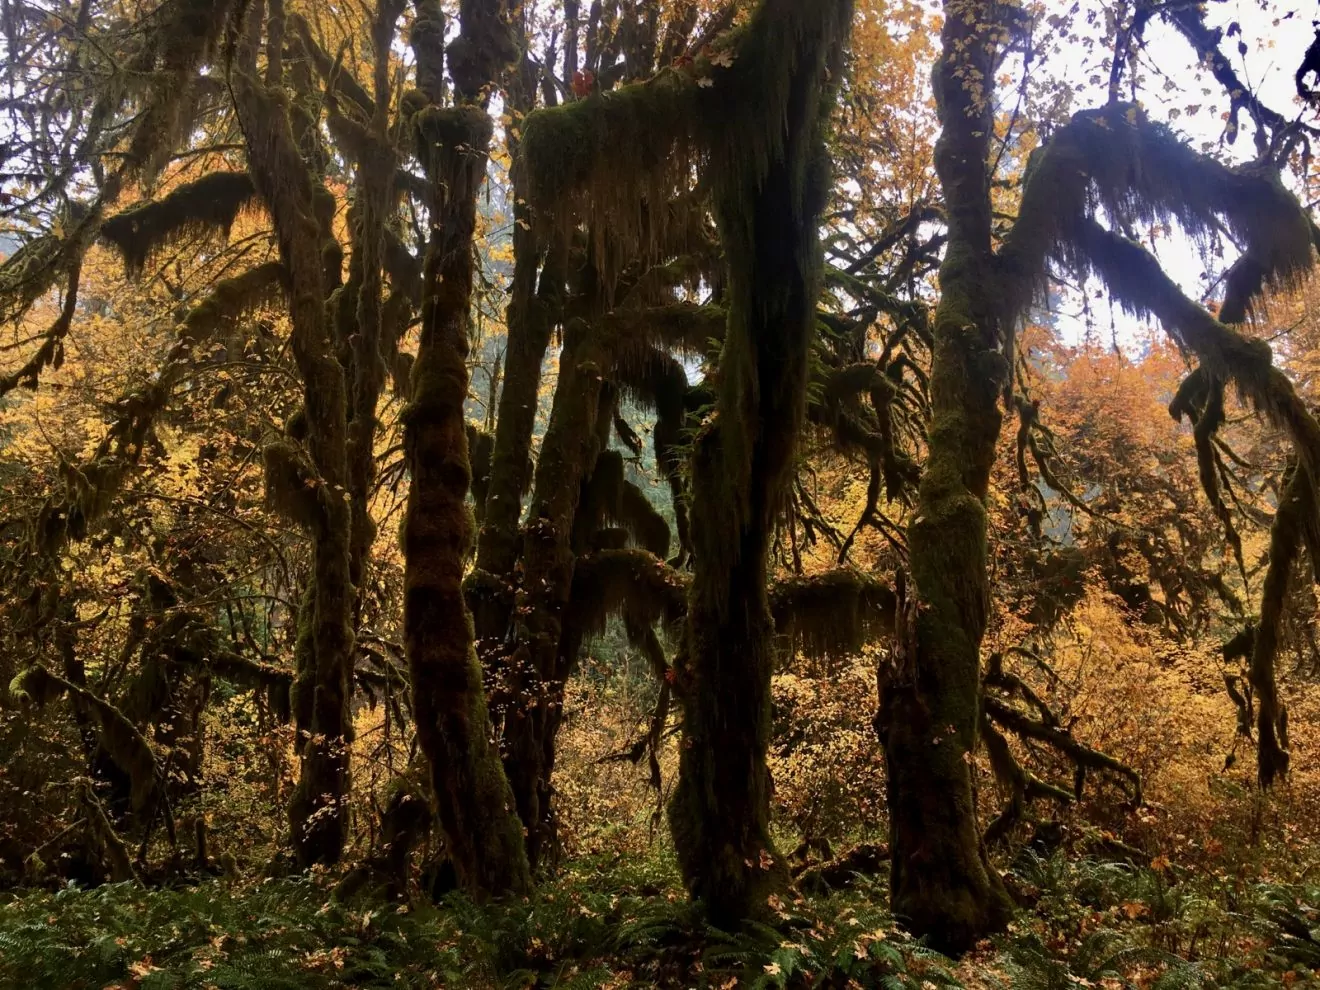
x=533, y=680
x=941, y=883
x=769, y=214
x=476, y=809
x=318, y=810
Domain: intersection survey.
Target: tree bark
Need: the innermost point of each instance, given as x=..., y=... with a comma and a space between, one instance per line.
x=941, y=883
x=533, y=676
x=318, y=811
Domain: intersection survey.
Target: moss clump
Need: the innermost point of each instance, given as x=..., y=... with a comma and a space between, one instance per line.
x=629, y=583
x=620, y=154
x=292, y=486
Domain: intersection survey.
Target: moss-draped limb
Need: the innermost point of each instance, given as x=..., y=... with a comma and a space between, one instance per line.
x=620, y=153
x=51, y=351
x=942, y=884
x=102, y=835
x=630, y=583
x=119, y=737
x=474, y=802
x=1042, y=730
x=608, y=498
x=184, y=36
x=1138, y=284
x=685, y=327
x=318, y=810
x=832, y=614
x=1116, y=159
x=1021, y=784
x=180, y=37
x=209, y=203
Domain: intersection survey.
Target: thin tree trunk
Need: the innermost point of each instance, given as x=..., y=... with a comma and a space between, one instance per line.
x=941, y=884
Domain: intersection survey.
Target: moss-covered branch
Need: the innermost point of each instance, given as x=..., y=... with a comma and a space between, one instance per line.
x=127, y=747
x=1137, y=172
x=833, y=614
x=1057, y=737
x=210, y=203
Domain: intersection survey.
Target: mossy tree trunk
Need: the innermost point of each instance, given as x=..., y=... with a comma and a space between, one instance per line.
x=769, y=214
x=476, y=809
x=532, y=675
x=369, y=326
x=941, y=883
x=318, y=811
x=535, y=301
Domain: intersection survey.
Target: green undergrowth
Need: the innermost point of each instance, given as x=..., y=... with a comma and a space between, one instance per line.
x=625, y=923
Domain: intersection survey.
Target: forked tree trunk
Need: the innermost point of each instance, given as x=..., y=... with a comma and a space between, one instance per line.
x=318, y=810
x=533, y=680
x=941, y=883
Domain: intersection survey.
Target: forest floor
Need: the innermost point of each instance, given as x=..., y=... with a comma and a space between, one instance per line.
x=624, y=922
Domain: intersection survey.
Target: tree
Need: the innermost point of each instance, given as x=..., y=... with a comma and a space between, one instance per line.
x=1112, y=162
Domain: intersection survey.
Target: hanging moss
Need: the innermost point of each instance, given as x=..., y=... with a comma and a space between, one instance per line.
x=617, y=153
x=27, y=273
x=182, y=36
x=647, y=526
x=292, y=487
x=1140, y=285
x=1116, y=160
x=629, y=335
x=832, y=615
x=209, y=204
x=630, y=583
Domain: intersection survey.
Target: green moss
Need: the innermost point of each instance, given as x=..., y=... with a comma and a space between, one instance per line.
x=833, y=614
